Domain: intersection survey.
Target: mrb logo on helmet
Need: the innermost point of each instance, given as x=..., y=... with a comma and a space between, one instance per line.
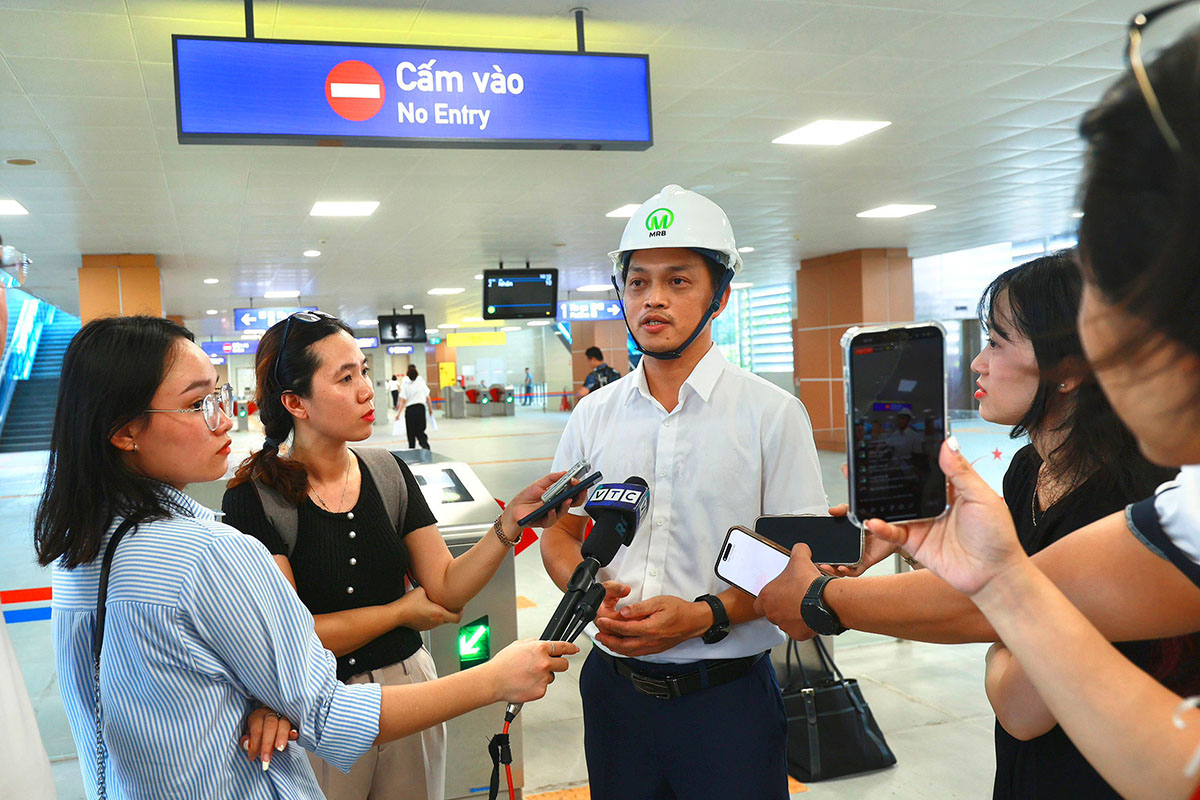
x=659, y=220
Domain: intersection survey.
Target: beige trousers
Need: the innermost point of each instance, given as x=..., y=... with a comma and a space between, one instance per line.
x=412, y=768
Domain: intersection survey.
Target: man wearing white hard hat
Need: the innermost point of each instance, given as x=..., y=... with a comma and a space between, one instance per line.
x=679, y=698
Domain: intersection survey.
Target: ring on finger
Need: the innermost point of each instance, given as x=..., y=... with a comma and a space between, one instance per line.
x=552, y=653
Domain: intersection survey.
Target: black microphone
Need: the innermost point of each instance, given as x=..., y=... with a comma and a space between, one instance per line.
x=618, y=509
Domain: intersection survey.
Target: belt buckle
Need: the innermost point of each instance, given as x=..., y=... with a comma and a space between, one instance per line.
x=651, y=686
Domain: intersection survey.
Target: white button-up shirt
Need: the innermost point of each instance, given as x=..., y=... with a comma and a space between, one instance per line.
x=735, y=447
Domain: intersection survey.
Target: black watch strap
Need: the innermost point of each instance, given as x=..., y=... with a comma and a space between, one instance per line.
x=720, y=626
x=815, y=613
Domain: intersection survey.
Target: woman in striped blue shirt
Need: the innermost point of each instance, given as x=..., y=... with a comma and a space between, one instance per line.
x=200, y=623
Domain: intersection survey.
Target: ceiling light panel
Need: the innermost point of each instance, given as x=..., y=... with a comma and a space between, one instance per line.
x=351, y=208
x=894, y=211
x=828, y=132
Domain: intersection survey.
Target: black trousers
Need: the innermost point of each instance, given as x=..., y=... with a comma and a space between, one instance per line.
x=414, y=420
x=727, y=741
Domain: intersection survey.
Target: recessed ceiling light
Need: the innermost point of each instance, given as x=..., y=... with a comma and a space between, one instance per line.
x=624, y=211
x=311, y=253
x=479, y=276
x=741, y=285
x=431, y=330
x=407, y=306
x=446, y=290
x=21, y=162
x=1076, y=215
x=349, y=208
x=745, y=249
x=212, y=312
x=894, y=211
x=595, y=287
x=212, y=281
x=510, y=328
x=11, y=208
x=366, y=323
x=537, y=322
x=830, y=132
x=448, y=326
x=281, y=294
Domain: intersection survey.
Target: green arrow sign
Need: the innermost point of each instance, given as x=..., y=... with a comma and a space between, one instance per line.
x=474, y=643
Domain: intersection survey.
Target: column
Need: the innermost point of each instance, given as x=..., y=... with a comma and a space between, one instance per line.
x=121, y=285
x=834, y=293
x=609, y=336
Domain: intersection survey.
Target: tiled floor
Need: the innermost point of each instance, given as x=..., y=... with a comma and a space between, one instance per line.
x=928, y=698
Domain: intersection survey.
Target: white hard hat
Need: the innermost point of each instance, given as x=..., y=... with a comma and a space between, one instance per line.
x=678, y=217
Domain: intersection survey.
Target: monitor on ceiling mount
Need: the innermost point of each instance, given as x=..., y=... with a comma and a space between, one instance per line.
x=520, y=293
x=402, y=329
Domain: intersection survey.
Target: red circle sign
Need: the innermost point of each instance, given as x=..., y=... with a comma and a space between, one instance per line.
x=354, y=90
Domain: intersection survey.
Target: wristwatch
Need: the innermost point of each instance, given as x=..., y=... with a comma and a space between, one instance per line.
x=720, y=626
x=815, y=613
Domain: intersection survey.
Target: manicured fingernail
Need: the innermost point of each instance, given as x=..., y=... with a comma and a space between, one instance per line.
x=246, y=745
x=266, y=764
x=953, y=444
x=280, y=747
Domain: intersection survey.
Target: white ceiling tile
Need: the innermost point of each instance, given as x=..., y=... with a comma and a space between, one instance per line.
x=60, y=77
x=1051, y=42
x=100, y=37
x=152, y=35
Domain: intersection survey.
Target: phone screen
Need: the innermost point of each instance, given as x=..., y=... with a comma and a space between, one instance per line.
x=832, y=540
x=748, y=562
x=897, y=397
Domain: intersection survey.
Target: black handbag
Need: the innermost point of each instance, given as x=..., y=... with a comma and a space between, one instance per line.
x=831, y=731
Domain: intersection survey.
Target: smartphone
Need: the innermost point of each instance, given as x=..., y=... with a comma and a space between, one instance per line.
x=895, y=387
x=569, y=493
x=577, y=469
x=832, y=540
x=749, y=561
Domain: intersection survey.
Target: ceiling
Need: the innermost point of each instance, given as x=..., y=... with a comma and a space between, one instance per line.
x=984, y=97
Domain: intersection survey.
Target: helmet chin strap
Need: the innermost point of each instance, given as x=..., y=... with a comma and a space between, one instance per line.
x=668, y=355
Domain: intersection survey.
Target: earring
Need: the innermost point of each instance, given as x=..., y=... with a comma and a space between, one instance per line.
x=135, y=447
x=1062, y=386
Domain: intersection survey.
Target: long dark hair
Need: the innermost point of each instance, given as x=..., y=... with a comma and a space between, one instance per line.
x=1141, y=200
x=275, y=374
x=111, y=371
x=1043, y=300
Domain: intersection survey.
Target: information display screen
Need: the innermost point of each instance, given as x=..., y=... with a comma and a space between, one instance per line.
x=262, y=91
x=520, y=293
x=443, y=487
x=402, y=329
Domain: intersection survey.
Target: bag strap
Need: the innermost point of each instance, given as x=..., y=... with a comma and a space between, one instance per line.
x=97, y=646
x=283, y=516
x=827, y=660
x=814, y=738
x=389, y=480
x=805, y=681
x=384, y=471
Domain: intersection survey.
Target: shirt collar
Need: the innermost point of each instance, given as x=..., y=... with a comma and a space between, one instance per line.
x=186, y=506
x=702, y=379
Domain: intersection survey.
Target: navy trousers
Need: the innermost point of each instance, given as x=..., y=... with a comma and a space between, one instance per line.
x=725, y=742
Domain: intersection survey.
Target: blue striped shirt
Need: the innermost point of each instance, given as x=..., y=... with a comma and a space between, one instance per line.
x=200, y=623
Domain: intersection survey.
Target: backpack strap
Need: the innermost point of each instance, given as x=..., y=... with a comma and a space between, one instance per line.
x=389, y=480
x=282, y=515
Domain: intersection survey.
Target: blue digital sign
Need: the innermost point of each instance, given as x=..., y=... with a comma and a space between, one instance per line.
x=259, y=319
x=237, y=347
x=287, y=92
x=588, y=310
x=367, y=342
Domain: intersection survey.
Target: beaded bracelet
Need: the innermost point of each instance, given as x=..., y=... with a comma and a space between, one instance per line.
x=499, y=529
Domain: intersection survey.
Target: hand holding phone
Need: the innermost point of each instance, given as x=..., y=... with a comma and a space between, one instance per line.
x=567, y=494
x=749, y=561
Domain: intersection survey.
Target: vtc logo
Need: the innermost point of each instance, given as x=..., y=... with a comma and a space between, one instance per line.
x=658, y=220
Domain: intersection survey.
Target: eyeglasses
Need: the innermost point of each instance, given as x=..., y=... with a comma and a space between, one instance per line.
x=1133, y=57
x=212, y=406
x=302, y=316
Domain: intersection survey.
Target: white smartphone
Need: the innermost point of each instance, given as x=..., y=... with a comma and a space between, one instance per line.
x=577, y=470
x=749, y=560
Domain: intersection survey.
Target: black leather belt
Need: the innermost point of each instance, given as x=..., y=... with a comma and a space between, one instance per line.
x=665, y=687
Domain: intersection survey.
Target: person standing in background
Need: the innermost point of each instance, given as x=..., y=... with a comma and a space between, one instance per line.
x=528, y=398
x=393, y=387
x=414, y=398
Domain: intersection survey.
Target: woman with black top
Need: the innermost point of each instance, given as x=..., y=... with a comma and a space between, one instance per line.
x=346, y=558
x=1081, y=464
